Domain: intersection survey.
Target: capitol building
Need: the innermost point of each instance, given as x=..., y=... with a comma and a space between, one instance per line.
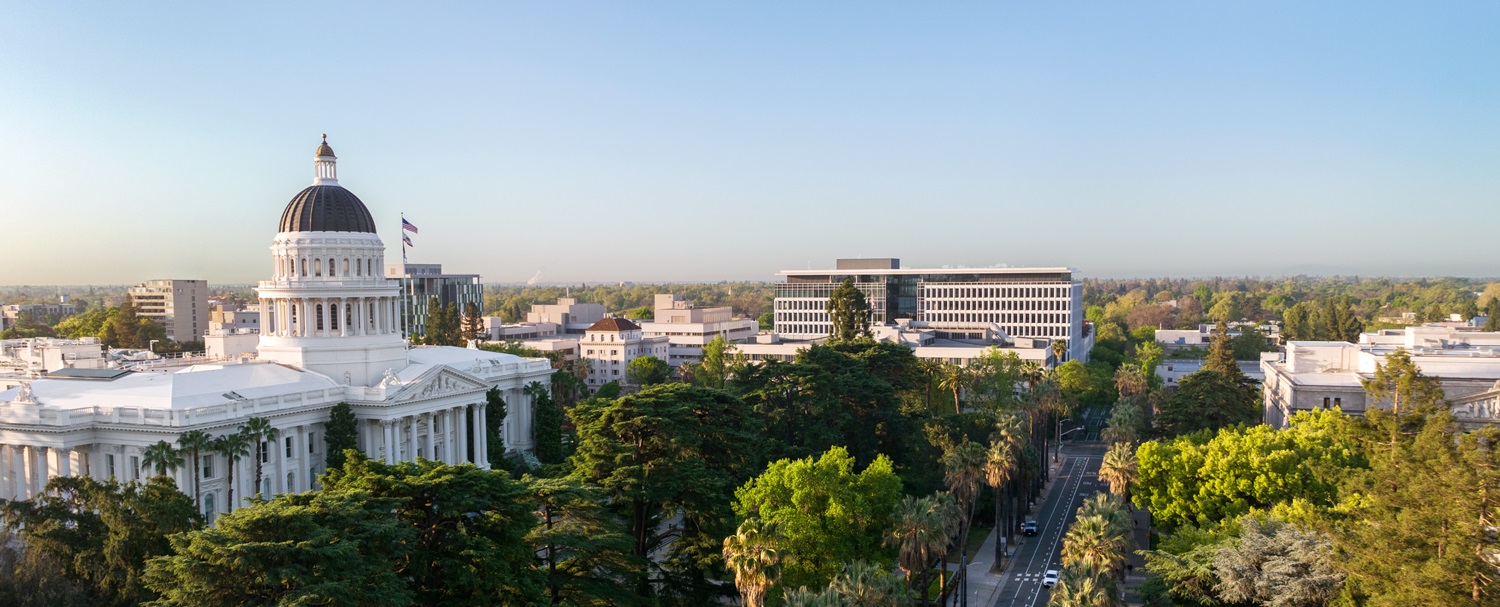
x=329, y=333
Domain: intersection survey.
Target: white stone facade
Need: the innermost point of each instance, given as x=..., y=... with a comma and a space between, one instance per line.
x=329, y=335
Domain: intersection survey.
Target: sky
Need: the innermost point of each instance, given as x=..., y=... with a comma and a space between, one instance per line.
x=706, y=141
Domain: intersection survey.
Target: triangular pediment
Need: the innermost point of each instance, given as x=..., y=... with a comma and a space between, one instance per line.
x=439, y=381
x=1479, y=407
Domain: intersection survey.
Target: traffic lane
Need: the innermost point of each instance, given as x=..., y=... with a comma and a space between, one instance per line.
x=1034, y=555
x=1024, y=588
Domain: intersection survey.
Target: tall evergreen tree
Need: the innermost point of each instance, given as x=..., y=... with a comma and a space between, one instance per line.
x=473, y=323
x=494, y=421
x=432, y=327
x=850, y=311
x=546, y=424
x=340, y=433
x=453, y=329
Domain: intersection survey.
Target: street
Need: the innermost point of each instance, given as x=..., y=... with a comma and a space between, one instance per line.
x=1078, y=479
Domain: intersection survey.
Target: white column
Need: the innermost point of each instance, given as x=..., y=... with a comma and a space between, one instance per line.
x=431, y=452
x=304, y=470
x=410, y=422
x=481, y=437
x=327, y=320
x=40, y=455
x=17, y=481
x=390, y=441
x=461, y=432
x=278, y=484
x=65, y=462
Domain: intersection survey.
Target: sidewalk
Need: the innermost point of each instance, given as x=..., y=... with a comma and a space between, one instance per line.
x=984, y=582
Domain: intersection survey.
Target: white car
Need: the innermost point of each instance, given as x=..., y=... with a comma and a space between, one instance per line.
x=1049, y=578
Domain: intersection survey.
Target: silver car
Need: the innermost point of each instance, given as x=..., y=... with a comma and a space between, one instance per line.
x=1049, y=578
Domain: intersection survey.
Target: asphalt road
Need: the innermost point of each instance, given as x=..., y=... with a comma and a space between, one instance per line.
x=1077, y=480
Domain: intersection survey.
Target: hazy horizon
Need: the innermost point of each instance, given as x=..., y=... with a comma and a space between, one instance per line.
x=657, y=143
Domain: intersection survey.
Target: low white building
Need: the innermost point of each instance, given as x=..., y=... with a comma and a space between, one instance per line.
x=330, y=333
x=688, y=327
x=1172, y=370
x=1326, y=374
x=610, y=344
x=48, y=354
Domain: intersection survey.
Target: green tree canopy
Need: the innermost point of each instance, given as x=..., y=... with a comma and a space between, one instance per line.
x=338, y=549
x=1205, y=478
x=470, y=527
x=647, y=371
x=828, y=512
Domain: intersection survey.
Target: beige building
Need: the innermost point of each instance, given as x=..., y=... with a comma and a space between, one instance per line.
x=688, y=327
x=1326, y=374
x=179, y=305
x=573, y=317
x=610, y=344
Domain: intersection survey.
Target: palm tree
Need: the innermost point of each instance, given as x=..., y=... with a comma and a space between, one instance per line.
x=955, y=378
x=1092, y=541
x=1130, y=380
x=999, y=461
x=1124, y=425
x=1032, y=372
x=1084, y=586
x=232, y=446
x=751, y=555
x=1060, y=350
x=260, y=432
x=921, y=532
x=1008, y=433
x=192, y=444
x=963, y=470
x=162, y=456
x=1120, y=468
x=863, y=584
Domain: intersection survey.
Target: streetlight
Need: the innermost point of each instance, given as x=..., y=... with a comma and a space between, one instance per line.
x=151, y=346
x=1060, y=436
x=1057, y=448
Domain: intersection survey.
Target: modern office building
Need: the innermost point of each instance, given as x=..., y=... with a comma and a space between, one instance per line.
x=1022, y=302
x=688, y=327
x=181, y=306
x=1327, y=374
x=420, y=282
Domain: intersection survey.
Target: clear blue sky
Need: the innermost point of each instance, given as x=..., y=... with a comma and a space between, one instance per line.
x=712, y=140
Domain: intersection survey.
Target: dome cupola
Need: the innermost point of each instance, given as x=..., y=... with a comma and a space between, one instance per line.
x=325, y=206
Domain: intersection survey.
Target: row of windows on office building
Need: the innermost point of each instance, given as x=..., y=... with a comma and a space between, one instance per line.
x=995, y=304
x=932, y=290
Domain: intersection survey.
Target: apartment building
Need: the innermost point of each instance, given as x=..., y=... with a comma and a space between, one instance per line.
x=181, y=306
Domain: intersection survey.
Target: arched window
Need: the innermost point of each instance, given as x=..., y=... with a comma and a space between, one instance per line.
x=331, y=268
x=304, y=266
x=333, y=318
x=208, y=507
x=357, y=267
x=320, y=317
x=346, y=266
x=291, y=484
x=317, y=267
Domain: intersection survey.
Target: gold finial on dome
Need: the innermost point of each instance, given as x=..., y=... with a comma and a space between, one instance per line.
x=323, y=149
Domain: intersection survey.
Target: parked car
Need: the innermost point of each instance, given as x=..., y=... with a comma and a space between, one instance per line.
x=1050, y=578
x=1028, y=528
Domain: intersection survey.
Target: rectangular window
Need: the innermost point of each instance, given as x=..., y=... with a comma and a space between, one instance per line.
x=135, y=468
x=109, y=463
x=265, y=452
x=312, y=442
x=1338, y=402
x=288, y=446
x=208, y=466
x=1325, y=402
